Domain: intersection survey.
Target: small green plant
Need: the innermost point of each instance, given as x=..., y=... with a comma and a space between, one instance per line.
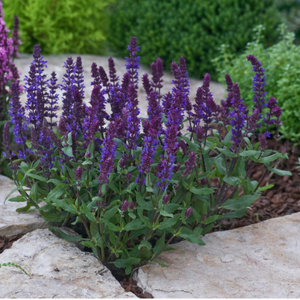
x=68, y=26
x=192, y=28
x=282, y=68
x=132, y=189
x=9, y=264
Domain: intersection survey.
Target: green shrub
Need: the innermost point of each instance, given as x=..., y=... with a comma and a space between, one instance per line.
x=68, y=26
x=282, y=69
x=193, y=29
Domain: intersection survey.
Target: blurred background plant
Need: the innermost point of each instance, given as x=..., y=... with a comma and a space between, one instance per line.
x=192, y=28
x=69, y=26
x=282, y=69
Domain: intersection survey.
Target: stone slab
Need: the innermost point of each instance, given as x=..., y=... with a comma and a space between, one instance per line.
x=55, y=63
x=57, y=269
x=12, y=222
x=257, y=261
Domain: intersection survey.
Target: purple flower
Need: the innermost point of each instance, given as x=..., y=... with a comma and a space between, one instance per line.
x=166, y=199
x=188, y=212
x=133, y=122
x=78, y=76
x=190, y=163
x=259, y=81
x=146, y=84
x=6, y=140
x=95, y=74
x=157, y=74
x=78, y=173
x=113, y=78
x=132, y=65
x=107, y=155
x=262, y=141
x=131, y=205
x=17, y=115
x=124, y=205
x=52, y=100
x=15, y=40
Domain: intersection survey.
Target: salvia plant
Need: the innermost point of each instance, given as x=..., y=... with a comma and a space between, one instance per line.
x=134, y=183
x=8, y=70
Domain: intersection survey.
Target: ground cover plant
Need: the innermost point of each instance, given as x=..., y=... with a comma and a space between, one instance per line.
x=136, y=184
x=70, y=26
x=192, y=28
x=281, y=67
x=8, y=74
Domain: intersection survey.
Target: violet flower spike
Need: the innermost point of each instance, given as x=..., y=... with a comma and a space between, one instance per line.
x=15, y=39
x=132, y=65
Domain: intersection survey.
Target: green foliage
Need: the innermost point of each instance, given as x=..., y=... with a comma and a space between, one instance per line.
x=290, y=13
x=69, y=26
x=9, y=264
x=282, y=69
x=193, y=28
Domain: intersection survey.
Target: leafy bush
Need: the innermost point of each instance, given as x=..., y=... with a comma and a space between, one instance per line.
x=282, y=68
x=135, y=190
x=69, y=26
x=194, y=29
x=290, y=12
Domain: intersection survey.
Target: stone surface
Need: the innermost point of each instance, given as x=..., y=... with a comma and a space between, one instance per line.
x=257, y=261
x=55, y=63
x=57, y=269
x=12, y=222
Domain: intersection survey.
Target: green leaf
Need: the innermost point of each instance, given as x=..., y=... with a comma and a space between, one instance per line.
x=269, y=158
x=17, y=199
x=114, y=188
x=40, y=178
x=249, y=153
x=134, y=225
x=211, y=219
x=266, y=187
x=111, y=226
x=192, y=239
x=241, y=202
x=202, y=191
x=125, y=262
x=68, y=151
x=227, y=138
x=56, y=192
x=166, y=214
x=161, y=263
x=88, y=213
x=110, y=213
x=226, y=152
x=231, y=180
x=143, y=218
x=52, y=217
x=159, y=245
x=280, y=172
x=11, y=192
x=142, y=203
x=145, y=244
x=169, y=222
x=23, y=209
x=219, y=161
x=235, y=214
x=58, y=232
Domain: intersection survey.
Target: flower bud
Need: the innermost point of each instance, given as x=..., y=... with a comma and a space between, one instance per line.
x=166, y=199
x=78, y=173
x=204, y=181
x=262, y=141
x=200, y=133
x=124, y=205
x=183, y=146
x=177, y=167
x=122, y=163
x=188, y=212
x=128, y=177
x=88, y=154
x=131, y=205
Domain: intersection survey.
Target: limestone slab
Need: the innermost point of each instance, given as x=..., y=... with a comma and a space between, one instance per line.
x=12, y=222
x=257, y=261
x=57, y=269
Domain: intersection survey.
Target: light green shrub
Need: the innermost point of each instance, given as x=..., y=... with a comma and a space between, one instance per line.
x=68, y=26
x=282, y=69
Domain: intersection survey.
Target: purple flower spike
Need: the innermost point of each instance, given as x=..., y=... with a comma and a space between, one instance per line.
x=124, y=205
x=259, y=81
x=16, y=41
x=146, y=84
x=78, y=76
x=188, y=212
x=78, y=173
x=262, y=141
x=95, y=74
x=131, y=205
x=190, y=163
x=52, y=100
x=6, y=140
x=132, y=65
x=112, y=71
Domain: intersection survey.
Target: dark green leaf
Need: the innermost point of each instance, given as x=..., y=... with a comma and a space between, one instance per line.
x=269, y=158
x=56, y=192
x=25, y=208
x=226, y=152
x=17, y=199
x=58, y=232
x=169, y=222
x=281, y=172
x=125, y=262
x=249, y=153
x=266, y=187
x=52, y=217
x=235, y=214
x=134, y=225
x=142, y=203
x=68, y=151
x=231, y=180
x=145, y=244
x=211, y=219
x=241, y=202
x=202, y=191
x=143, y=218
x=159, y=245
x=192, y=239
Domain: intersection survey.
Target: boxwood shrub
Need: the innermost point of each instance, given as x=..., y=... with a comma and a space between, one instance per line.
x=68, y=26
x=193, y=28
